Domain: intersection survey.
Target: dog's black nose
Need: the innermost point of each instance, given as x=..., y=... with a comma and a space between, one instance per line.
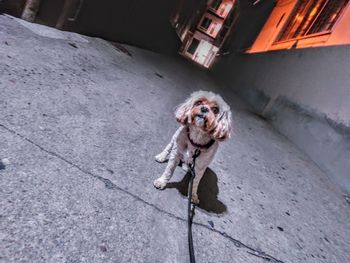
x=204, y=109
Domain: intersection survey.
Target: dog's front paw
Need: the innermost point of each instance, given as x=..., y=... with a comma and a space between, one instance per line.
x=195, y=199
x=160, y=183
x=161, y=158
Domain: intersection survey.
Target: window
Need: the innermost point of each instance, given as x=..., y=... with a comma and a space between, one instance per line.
x=312, y=17
x=202, y=52
x=216, y=4
x=221, y=7
x=210, y=25
x=206, y=23
x=193, y=46
x=328, y=16
x=203, y=36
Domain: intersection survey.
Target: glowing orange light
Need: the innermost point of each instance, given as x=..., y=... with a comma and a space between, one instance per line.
x=328, y=33
x=299, y=18
x=333, y=17
x=313, y=12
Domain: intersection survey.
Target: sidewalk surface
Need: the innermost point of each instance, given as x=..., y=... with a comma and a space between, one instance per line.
x=80, y=122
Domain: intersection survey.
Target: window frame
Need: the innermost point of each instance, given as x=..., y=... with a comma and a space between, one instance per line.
x=315, y=36
x=213, y=24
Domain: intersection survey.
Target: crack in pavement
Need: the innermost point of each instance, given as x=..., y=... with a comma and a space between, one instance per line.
x=110, y=185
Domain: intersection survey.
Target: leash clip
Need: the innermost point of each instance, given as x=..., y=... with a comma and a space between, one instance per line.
x=195, y=155
x=197, y=152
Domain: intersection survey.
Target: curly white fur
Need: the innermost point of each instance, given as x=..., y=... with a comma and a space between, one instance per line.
x=204, y=116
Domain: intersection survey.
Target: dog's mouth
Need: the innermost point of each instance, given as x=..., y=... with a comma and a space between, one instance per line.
x=200, y=120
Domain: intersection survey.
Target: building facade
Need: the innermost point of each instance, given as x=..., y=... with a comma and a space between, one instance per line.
x=302, y=24
x=205, y=33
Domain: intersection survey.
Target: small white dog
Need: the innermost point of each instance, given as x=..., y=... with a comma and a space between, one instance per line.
x=206, y=120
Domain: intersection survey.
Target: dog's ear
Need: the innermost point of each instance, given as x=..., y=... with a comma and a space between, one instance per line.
x=223, y=128
x=183, y=111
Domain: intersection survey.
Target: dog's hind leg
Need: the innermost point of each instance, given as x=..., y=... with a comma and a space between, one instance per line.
x=199, y=174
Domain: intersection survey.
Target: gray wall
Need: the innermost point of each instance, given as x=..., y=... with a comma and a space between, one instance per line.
x=305, y=94
x=140, y=23
x=13, y=7
x=143, y=24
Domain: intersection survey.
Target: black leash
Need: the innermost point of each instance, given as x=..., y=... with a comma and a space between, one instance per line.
x=190, y=209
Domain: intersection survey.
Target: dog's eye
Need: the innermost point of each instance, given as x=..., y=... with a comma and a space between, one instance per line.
x=197, y=103
x=215, y=110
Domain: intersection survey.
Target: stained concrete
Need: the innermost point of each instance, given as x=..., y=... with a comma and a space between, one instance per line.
x=80, y=122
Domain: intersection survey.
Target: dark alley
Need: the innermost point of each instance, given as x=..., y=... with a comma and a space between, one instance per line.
x=84, y=109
